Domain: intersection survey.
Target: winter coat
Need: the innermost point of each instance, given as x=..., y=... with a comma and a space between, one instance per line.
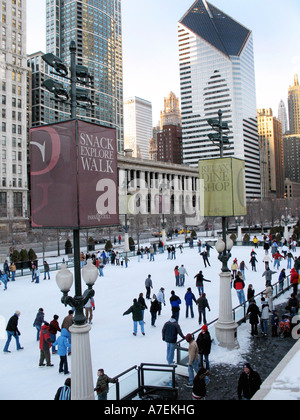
x=39, y=319
x=189, y=298
x=154, y=306
x=249, y=384
x=62, y=343
x=294, y=276
x=12, y=324
x=136, y=310
x=204, y=343
x=254, y=312
x=175, y=303
x=202, y=303
x=161, y=297
x=170, y=331
x=45, y=340
x=297, y=264
x=67, y=322
x=148, y=282
x=200, y=279
x=193, y=352
x=265, y=311
x=239, y=284
x=54, y=327
x=102, y=383
x=268, y=274
x=275, y=320
x=199, y=386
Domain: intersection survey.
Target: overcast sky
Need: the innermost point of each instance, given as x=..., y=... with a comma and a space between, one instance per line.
x=150, y=49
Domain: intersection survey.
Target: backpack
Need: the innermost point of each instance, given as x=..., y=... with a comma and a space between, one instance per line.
x=65, y=393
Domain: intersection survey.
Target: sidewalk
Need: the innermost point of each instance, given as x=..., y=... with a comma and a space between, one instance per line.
x=264, y=355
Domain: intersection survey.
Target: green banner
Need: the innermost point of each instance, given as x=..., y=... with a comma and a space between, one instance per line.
x=222, y=187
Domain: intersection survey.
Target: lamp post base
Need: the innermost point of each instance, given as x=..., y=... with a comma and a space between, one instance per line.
x=226, y=328
x=82, y=387
x=226, y=334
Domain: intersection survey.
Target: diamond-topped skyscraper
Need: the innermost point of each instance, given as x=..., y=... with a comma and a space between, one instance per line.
x=217, y=72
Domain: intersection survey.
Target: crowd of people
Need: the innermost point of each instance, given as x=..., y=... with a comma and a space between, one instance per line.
x=199, y=348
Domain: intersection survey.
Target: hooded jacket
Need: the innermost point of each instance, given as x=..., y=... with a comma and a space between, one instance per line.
x=294, y=276
x=45, y=340
x=62, y=343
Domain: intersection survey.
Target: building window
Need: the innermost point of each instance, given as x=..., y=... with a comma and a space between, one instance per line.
x=18, y=204
x=3, y=204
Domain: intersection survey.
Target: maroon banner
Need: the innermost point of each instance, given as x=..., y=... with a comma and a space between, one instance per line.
x=74, y=177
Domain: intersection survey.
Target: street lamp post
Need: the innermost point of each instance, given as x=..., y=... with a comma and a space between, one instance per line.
x=239, y=222
x=226, y=328
x=286, y=219
x=126, y=236
x=163, y=224
x=82, y=374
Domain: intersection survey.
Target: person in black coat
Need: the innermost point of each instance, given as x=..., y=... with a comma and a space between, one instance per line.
x=204, y=346
x=199, y=385
x=254, y=313
x=12, y=331
x=249, y=383
x=154, y=308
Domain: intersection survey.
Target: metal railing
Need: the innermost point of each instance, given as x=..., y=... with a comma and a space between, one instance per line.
x=239, y=316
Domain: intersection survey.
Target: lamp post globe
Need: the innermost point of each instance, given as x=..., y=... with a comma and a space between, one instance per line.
x=64, y=279
x=90, y=273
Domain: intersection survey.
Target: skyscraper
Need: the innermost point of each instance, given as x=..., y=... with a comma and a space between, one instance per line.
x=282, y=116
x=294, y=106
x=95, y=26
x=13, y=148
x=217, y=72
x=270, y=134
x=137, y=126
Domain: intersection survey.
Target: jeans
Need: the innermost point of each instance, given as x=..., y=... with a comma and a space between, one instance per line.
x=53, y=339
x=151, y=257
x=135, y=323
x=13, y=275
x=200, y=290
x=181, y=279
x=264, y=325
x=63, y=365
x=187, y=311
x=102, y=396
x=289, y=263
x=11, y=334
x=191, y=368
x=153, y=318
x=170, y=353
x=241, y=296
x=202, y=312
x=276, y=264
x=205, y=356
x=38, y=330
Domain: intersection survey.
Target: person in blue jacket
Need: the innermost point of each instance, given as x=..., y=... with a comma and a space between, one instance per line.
x=175, y=305
x=63, y=349
x=189, y=298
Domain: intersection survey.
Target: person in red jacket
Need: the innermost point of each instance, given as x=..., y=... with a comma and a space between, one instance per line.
x=45, y=344
x=294, y=280
x=239, y=286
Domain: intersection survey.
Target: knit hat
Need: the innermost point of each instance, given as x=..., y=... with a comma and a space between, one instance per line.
x=204, y=328
x=247, y=365
x=189, y=338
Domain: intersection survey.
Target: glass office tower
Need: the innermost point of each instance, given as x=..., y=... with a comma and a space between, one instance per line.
x=217, y=72
x=95, y=26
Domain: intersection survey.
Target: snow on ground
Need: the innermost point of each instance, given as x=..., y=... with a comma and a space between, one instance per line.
x=113, y=345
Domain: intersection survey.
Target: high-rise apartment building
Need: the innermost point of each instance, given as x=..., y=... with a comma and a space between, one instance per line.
x=217, y=72
x=294, y=106
x=13, y=149
x=95, y=26
x=270, y=136
x=137, y=126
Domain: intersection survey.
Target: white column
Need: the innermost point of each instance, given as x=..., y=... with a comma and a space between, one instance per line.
x=226, y=328
x=82, y=387
x=240, y=235
x=126, y=242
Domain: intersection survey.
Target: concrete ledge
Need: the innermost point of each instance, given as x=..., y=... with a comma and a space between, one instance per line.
x=267, y=388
